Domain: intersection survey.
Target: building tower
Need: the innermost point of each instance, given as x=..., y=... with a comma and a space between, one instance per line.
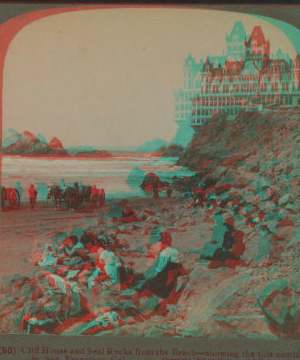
x=235, y=42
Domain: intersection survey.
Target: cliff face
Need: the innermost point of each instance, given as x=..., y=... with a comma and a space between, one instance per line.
x=254, y=162
x=255, y=142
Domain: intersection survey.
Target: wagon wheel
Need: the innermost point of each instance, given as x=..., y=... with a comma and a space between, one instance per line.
x=14, y=198
x=3, y=195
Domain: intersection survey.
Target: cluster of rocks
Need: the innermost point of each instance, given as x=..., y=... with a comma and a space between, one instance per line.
x=83, y=285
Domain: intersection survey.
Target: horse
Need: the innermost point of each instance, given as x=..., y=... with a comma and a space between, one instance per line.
x=98, y=196
x=56, y=193
x=71, y=197
x=84, y=194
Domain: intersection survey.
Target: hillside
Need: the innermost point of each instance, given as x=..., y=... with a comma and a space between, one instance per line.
x=253, y=165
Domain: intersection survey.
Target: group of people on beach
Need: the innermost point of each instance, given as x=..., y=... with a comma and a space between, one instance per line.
x=90, y=259
x=42, y=191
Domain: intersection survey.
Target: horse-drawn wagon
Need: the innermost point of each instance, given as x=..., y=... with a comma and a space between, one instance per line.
x=75, y=196
x=10, y=195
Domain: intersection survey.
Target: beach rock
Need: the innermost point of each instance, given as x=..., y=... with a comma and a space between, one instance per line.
x=209, y=249
x=270, y=206
x=28, y=135
x=150, y=181
x=295, y=241
x=135, y=177
x=56, y=144
x=279, y=303
x=284, y=199
x=151, y=303
x=41, y=138
x=10, y=136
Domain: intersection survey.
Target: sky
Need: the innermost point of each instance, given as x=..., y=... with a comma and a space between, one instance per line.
x=106, y=78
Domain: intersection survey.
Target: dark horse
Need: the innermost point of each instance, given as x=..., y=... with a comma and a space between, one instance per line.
x=84, y=194
x=71, y=197
x=55, y=192
x=68, y=196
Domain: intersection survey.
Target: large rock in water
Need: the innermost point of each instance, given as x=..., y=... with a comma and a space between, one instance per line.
x=28, y=135
x=150, y=180
x=10, y=136
x=135, y=177
x=55, y=143
x=41, y=138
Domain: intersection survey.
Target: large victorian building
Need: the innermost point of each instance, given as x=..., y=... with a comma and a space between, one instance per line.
x=244, y=77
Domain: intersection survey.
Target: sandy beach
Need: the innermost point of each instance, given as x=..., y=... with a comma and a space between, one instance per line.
x=22, y=227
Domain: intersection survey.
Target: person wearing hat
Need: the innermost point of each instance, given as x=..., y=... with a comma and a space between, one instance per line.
x=32, y=196
x=95, y=195
x=112, y=266
x=48, y=258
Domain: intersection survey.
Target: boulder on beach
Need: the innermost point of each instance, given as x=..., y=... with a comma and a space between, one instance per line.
x=135, y=177
x=151, y=180
x=279, y=303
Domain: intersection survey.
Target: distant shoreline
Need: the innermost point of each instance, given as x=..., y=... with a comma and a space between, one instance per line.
x=61, y=156
x=82, y=157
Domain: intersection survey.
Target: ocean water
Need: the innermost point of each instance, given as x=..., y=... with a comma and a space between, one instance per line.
x=109, y=173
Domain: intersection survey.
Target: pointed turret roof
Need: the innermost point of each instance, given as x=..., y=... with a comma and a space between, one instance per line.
x=237, y=31
x=258, y=36
x=190, y=61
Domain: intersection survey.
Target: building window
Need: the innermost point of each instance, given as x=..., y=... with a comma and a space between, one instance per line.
x=182, y=107
x=177, y=107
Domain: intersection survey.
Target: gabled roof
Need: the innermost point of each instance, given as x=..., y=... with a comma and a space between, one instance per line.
x=218, y=72
x=237, y=31
x=230, y=65
x=258, y=36
x=279, y=54
x=250, y=69
x=189, y=60
x=216, y=60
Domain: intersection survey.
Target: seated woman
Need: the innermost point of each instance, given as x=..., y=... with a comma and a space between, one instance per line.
x=48, y=257
x=71, y=252
x=128, y=215
x=161, y=277
x=108, y=267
